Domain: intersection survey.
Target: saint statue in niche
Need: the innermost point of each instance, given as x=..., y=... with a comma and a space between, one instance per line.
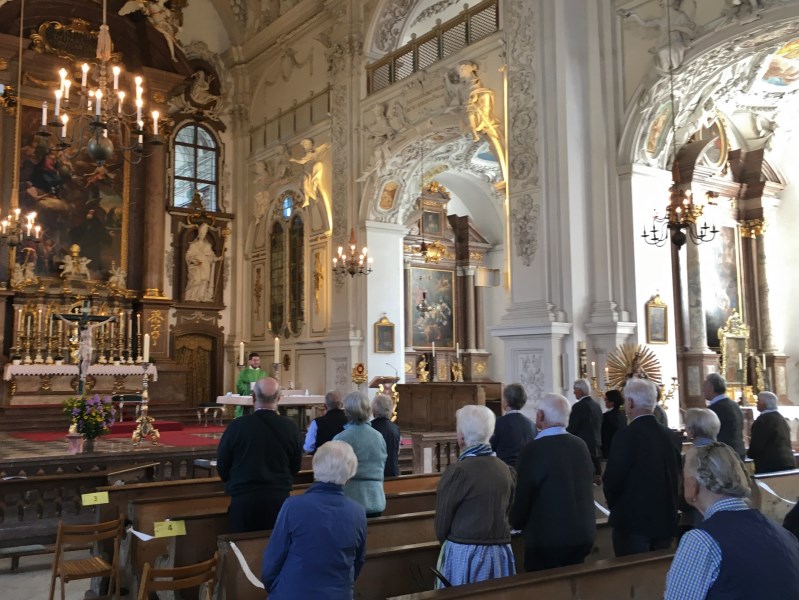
x=201, y=267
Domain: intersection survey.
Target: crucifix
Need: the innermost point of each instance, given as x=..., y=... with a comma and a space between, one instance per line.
x=86, y=324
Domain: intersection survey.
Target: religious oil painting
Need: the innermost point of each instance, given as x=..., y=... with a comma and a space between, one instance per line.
x=657, y=321
x=77, y=200
x=431, y=223
x=720, y=271
x=432, y=297
x=384, y=336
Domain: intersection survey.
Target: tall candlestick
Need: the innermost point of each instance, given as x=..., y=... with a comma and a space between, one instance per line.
x=146, y=354
x=277, y=349
x=593, y=369
x=241, y=353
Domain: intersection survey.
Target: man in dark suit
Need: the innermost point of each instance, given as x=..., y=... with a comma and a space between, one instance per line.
x=729, y=413
x=512, y=431
x=770, y=445
x=554, y=503
x=585, y=421
x=641, y=476
x=325, y=428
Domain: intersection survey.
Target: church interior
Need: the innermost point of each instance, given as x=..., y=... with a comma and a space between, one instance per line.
x=435, y=196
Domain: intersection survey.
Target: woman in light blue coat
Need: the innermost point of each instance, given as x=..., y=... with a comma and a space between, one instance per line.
x=366, y=486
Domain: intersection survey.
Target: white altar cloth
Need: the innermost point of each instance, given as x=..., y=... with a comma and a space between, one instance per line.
x=285, y=400
x=12, y=370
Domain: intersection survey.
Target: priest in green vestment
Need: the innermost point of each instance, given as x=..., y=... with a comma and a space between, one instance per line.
x=247, y=377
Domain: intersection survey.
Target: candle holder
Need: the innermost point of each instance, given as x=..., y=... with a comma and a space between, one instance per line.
x=433, y=368
x=600, y=393
x=275, y=374
x=144, y=424
x=139, y=357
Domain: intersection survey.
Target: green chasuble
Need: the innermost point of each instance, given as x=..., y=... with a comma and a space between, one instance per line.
x=246, y=377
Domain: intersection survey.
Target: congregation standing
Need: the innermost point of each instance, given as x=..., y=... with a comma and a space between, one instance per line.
x=537, y=477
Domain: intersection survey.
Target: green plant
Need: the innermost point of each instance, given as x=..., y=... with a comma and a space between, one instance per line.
x=91, y=416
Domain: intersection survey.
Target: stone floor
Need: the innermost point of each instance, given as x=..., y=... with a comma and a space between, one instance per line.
x=32, y=580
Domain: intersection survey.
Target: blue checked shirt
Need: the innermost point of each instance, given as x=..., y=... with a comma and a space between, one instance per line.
x=698, y=559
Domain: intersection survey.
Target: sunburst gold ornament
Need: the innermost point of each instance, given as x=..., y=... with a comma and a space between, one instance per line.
x=632, y=360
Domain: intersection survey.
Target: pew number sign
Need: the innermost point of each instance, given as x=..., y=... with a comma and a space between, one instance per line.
x=169, y=528
x=94, y=498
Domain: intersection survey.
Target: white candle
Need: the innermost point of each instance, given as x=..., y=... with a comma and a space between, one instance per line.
x=139, y=104
x=44, y=114
x=740, y=361
x=606, y=375
x=138, y=323
x=121, y=323
x=434, y=349
x=763, y=357
x=277, y=349
x=99, y=97
x=41, y=325
x=85, y=68
x=146, y=355
x=58, y=94
x=67, y=85
x=116, y=77
x=155, y=122
x=62, y=73
x=64, y=119
x=593, y=369
x=121, y=101
x=130, y=327
x=457, y=351
x=241, y=353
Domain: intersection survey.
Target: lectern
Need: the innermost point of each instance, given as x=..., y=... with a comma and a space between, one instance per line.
x=386, y=383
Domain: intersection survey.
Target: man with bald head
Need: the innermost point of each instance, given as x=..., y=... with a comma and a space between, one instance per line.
x=257, y=457
x=770, y=444
x=554, y=504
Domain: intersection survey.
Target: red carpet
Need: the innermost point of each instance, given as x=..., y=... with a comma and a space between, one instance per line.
x=187, y=437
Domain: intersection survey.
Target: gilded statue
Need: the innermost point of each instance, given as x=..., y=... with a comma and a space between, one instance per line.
x=422, y=374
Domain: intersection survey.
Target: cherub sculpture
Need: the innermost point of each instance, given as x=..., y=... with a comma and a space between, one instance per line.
x=159, y=16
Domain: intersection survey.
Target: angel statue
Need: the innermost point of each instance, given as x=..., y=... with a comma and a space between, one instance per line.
x=159, y=16
x=311, y=162
x=675, y=29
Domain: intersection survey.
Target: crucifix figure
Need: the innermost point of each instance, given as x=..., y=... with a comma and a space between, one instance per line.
x=86, y=324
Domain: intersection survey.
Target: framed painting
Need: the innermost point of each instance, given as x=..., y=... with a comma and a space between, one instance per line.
x=657, y=324
x=384, y=336
x=434, y=290
x=77, y=200
x=720, y=271
x=431, y=223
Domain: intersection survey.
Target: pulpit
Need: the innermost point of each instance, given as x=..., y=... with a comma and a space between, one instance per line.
x=432, y=406
x=386, y=384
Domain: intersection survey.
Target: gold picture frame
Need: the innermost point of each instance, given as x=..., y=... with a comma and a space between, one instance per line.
x=657, y=323
x=384, y=336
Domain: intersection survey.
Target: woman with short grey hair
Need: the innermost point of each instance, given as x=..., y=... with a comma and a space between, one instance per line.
x=331, y=545
x=472, y=507
x=702, y=426
x=382, y=407
x=736, y=552
x=366, y=486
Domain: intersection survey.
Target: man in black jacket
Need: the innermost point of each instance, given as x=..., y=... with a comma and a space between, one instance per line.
x=554, y=504
x=257, y=458
x=585, y=422
x=325, y=428
x=512, y=431
x=641, y=476
x=729, y=413
x=770, y=445
x=382, y=407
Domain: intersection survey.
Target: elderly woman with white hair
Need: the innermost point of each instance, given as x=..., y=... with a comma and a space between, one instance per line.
x=770, y=442
x=318, y=545
x=366, y=486
x=702, y=426
x=474, y=497
x=736, y=552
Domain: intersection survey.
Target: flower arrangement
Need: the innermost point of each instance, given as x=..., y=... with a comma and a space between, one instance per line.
x=91, y=417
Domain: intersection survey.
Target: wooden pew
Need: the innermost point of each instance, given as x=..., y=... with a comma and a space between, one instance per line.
x=785, y=484
x=639, y=576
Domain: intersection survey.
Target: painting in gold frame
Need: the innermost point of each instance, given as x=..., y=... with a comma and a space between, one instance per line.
x=436, y=287
x=76, y=200
x=384, y=336
x=657, y=323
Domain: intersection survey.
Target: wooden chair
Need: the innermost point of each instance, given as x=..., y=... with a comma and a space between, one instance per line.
x=180, y=578
x=93, y=566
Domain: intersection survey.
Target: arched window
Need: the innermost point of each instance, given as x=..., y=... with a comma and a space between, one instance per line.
x=195, y=166
x=287, y=262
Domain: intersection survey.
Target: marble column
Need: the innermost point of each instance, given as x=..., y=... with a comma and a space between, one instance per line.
x=154, y=224
x=468, y=306
x=766, y=337
x=480, y=324
x=697, y=328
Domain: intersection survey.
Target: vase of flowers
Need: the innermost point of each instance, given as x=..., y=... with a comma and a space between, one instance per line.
x=91, y=417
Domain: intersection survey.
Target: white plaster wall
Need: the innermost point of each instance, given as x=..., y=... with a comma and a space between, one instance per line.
x=201, y=23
